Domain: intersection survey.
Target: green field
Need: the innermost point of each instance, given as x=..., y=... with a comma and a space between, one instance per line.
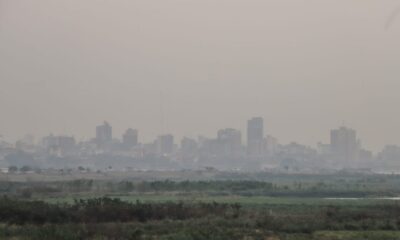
x=282, y=207
x=246, y=201
x=356, y=235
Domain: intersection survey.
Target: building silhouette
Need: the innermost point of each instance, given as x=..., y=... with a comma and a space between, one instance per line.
x=103, y=134
x=130, y=138
x=255, y=133
x=165, y=144
x=229, y=142
x=344, y=145
x=59, y=145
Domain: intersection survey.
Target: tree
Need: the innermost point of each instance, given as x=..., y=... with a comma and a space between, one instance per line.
x=12, y=169
x=25, y=169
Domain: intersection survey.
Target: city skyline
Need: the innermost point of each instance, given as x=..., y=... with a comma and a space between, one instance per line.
x=199, y=119
x=304, y=66
x=254, y=131
x=228, y=148
x=148, y=134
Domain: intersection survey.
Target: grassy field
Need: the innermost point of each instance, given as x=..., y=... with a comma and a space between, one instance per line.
x=286, y=208
x=245, y=201
x=356, y=235
x=275, y=206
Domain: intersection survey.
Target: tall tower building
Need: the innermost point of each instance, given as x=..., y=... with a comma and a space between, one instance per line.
x=59, y=144
x=255, y=133
x=344, y=145
x=130, y=138
x=165, y=144
x=104, y=133
x=229, y=142
x=189, y=149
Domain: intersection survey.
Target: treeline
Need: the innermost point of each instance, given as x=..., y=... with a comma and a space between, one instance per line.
x=242, y=188
x=294, y=218
x=84, y=185
x=113, y=218
x=334, y=218
x=187, y=186
x=103, y=210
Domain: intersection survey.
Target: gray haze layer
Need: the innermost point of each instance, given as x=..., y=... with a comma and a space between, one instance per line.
x=192, y=67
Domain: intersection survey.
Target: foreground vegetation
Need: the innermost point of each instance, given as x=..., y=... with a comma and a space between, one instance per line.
x=213, y=210
x=107, y=218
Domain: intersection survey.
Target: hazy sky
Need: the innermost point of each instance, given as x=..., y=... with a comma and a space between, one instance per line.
x=304, y=65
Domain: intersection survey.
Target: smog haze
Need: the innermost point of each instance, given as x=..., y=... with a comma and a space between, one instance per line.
x=192, y=67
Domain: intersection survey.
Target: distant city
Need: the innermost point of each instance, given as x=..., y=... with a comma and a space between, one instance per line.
x=226, y=151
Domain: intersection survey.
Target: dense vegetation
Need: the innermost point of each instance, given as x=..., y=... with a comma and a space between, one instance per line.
x=284, y=186
x=103, y=210
x=285, y=207
x=116, y=219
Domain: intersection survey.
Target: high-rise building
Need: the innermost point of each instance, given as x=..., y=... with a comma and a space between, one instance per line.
x=389, y=155
x=188, y=145
x=165, y=144
x=229, y=142
x=344, y=145
x=255, y=133
x=270, y=145
x=59, y=144
x=130, y=138
x=189, y=148
x=103, y=133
